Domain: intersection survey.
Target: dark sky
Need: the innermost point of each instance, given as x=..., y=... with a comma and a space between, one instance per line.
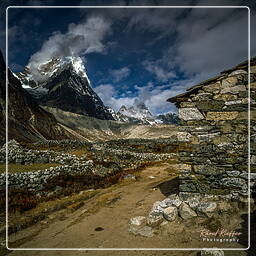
x=150, y=54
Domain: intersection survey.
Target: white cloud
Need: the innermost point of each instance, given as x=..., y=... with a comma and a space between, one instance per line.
x=81, y=38
x=162, y=74
x=107, y=94
x=155, y=98
x=120, y=74
x=213, y=41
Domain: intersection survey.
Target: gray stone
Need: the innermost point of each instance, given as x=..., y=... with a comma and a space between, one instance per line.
x=184, y=136
x=193, y=202
x=155, y=218
x=157, y=207
x=188, y=114
x=207, y=208
x=129, y=177
x=212, y=253
x=234, y=90
x=170, y=213
x=42, y=160
x=253, y=159
x=185, y=196
x=236, y=183
x=142, y=231
x=229, y=82
x=233, y=173
x=186, y=212
x=137, y=221
x=237, y=72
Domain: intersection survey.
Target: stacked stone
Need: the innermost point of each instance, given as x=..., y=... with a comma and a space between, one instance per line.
x=215, y=113
x=19, y=155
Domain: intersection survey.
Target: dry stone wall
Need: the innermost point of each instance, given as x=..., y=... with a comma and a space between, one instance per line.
x=215, y=113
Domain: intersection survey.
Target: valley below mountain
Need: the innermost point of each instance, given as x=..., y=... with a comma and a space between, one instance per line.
x=81, y=175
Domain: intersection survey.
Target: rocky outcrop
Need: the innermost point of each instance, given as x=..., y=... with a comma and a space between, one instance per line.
x=63, y=83
x=215, y=114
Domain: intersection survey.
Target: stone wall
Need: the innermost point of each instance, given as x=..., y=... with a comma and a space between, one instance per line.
x=101, y=161
x=215, y=113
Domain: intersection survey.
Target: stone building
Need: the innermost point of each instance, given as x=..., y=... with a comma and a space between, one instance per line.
x=215, y=114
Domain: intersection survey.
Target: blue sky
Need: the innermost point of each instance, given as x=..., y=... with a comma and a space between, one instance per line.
x=150, y=54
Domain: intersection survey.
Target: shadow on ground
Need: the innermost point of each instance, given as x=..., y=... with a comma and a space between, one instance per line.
x=169, y=187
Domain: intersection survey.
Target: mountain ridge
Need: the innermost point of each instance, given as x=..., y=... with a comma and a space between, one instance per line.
x=63, y=83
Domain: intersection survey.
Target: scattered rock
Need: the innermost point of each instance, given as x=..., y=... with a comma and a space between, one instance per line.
x=142, y=231
x=157, y=208
x=129, y=177
x=193, y=202
x=186, y=212
x=155, y=218
x=170, y=213
x=172, y=200
x=207, y=208
x=137, y=221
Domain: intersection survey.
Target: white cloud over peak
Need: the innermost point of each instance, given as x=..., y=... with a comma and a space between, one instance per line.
x=80, y=39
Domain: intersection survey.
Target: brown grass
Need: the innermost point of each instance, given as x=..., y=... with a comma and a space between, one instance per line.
x=15, y=168
x=78, y=152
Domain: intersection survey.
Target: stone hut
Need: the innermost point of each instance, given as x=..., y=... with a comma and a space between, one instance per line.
x=215, y=114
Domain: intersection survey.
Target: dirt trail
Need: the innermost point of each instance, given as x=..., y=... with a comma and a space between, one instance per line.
x=102, y=221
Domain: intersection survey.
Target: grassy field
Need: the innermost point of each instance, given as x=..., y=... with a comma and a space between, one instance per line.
x=15, y=168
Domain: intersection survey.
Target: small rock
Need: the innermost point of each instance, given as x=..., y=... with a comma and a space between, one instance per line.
x=193, y=203
x=142, y=231
x=146, y=231
x=129, y=177
x=237, y=72
x=212, y=253
x=137, y=221
x=186, y=212
x=207, y=208
x=157, y=207
x=170, y=201
x=155, y=218
x=170, y=213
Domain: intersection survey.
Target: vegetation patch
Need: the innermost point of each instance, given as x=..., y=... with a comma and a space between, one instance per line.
x=18, y=168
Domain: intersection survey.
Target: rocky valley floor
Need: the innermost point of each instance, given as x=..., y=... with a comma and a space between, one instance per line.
x=102, y=221
x=71, y=194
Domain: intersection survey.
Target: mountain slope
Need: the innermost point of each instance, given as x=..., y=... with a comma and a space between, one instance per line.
x=26, y=120
x=63, y=83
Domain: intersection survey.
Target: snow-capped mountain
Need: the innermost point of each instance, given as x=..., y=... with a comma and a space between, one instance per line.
x=140, y=114
x=137, y=113
x=63, y=83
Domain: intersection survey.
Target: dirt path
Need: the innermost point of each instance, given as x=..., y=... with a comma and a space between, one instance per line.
x=102, y=221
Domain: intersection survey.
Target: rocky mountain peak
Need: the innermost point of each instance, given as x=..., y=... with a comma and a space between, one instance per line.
x=35, y=75
x=63, y=83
